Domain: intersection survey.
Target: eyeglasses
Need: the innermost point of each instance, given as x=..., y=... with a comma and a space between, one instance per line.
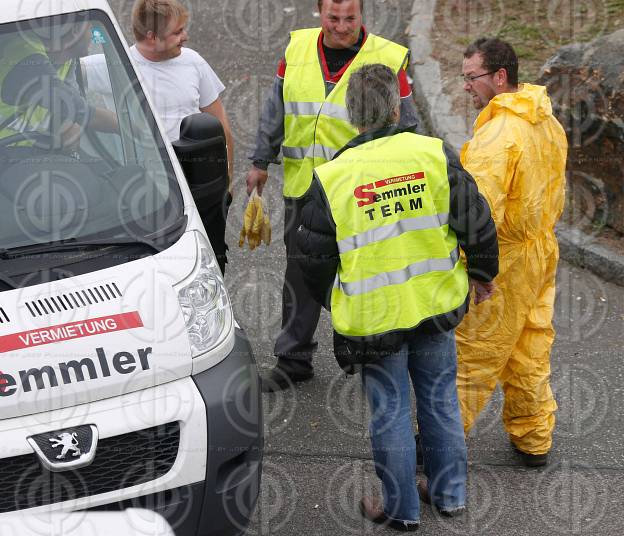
x=471, y=79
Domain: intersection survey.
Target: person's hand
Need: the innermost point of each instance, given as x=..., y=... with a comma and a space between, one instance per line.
x=104, y=120
x=482, y=291
x=256, y=179
x=70, y=137
x=230, y=177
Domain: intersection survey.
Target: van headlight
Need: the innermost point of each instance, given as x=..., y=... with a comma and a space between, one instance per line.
x=204, y=302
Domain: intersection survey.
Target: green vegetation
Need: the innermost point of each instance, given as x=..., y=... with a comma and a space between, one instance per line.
x=520, y=31
x=615, y=7
x=535, y=28
x=536, y=31
x=463, y=41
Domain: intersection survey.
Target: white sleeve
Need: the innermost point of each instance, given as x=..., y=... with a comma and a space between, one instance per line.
x=96, y=71
x=210, y=87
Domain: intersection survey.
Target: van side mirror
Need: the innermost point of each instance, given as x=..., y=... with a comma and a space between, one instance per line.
x=202, y=153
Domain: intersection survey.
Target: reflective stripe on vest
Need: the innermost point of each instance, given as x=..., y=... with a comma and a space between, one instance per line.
x=313, y=108
x=316, y=126
x=399, y=276
x=308, y=152
x=389, y=231
x=399, y=259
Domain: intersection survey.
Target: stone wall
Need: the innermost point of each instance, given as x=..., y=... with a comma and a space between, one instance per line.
x=586, y=85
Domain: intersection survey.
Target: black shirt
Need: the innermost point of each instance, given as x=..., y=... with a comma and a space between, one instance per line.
x=337, y=58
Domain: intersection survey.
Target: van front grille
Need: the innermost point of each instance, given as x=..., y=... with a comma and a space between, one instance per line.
x=73, y=300
x=120, y=462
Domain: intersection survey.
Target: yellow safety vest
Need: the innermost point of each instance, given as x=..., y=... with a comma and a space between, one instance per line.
x=28, y=117
x=399, y=259
x=316, y=126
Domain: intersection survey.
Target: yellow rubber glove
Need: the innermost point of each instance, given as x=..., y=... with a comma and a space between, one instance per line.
x=248, y=218
x=256, y=225
x=266, y=230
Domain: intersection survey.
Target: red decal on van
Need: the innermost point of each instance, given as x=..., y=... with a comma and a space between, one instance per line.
x=72, y=330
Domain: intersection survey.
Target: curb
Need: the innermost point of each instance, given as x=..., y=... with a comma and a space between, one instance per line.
x=580, y=249
x=435, y=106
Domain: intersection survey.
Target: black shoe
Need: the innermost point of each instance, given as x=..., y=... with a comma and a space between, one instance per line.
x=372, y=509
x=532, y=460
x=283, y=376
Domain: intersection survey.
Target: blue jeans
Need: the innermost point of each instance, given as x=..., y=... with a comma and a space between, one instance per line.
x=431, y=362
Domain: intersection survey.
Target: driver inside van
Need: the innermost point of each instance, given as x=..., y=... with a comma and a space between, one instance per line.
x=41, y=89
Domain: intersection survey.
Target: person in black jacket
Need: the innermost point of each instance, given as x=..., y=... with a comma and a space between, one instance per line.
x=396, y=301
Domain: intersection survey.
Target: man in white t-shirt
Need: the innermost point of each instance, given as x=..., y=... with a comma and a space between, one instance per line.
x=180, y=86
x=180, y=83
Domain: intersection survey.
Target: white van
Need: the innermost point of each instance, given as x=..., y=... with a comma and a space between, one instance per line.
x=129, y=522
x=125, y=380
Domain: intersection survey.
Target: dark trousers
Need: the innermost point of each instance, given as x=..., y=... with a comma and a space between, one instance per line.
x=214, y=221
x=300, y=312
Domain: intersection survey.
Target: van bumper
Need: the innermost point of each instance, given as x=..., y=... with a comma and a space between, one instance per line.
x=224, y=502
x=231, y=392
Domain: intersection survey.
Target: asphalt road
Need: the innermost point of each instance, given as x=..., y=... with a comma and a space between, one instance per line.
x=317, y=460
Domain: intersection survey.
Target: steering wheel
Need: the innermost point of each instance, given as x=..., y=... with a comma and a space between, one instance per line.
x=39, y=138
x=42, y=142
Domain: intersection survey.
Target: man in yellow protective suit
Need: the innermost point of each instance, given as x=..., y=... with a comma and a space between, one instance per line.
x=517, y=157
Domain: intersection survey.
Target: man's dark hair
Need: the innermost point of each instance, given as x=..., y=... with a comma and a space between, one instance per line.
x=320, y=4
x=497, y=54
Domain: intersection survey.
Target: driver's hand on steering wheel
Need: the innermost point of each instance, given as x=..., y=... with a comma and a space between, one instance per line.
x=104, y=120
x=70, y=138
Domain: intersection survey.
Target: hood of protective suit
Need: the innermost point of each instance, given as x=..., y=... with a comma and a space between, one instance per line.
x=529, y=102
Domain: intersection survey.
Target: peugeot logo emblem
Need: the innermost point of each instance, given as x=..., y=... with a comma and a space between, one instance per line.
x=62, y=450
x=68, y=442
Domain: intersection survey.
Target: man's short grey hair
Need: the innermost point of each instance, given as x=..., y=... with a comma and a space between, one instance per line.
x=373, y=97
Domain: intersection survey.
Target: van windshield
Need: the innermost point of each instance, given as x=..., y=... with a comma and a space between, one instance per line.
x=81, y=158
